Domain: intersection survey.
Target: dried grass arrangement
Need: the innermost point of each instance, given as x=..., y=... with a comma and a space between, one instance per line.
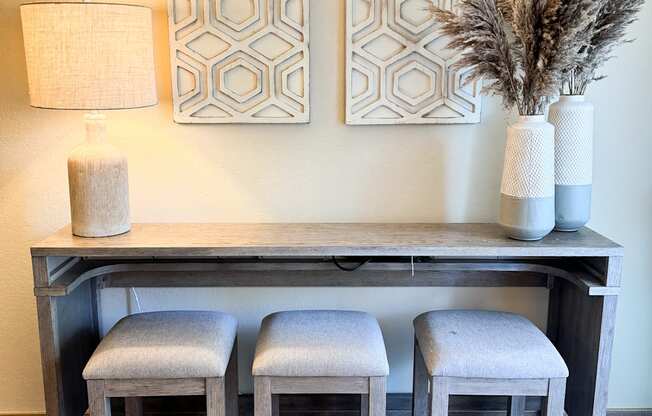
x=605, y=33
x=528, y=50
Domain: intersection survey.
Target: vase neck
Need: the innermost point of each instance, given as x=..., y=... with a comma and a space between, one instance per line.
x=532, y=119
x=571, y=99
x=95, y=127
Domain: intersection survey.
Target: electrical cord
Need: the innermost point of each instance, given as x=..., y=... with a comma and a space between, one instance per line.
x=137, y=298
x=349, y=269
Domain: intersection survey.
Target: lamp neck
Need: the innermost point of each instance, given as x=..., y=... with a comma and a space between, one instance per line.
x=95, y=127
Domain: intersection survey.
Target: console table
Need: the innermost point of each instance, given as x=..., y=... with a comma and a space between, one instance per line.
x=582, y=271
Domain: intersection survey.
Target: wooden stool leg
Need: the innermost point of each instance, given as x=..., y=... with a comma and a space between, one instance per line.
x=98, y=404
x=262, y=396
x=377, y=396
x=553, y=404
x=419, y=383
x=133, y=406
x=231, y=383
x=215, y=397
x=516, y=406
x=439, y=396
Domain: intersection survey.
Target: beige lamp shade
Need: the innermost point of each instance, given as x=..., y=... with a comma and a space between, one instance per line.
x=89, y=56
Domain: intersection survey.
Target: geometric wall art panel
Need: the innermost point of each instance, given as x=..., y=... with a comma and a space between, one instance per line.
x=398, y=69
x=240, y=61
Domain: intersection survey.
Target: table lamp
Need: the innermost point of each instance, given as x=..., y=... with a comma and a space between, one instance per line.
x=92, y=56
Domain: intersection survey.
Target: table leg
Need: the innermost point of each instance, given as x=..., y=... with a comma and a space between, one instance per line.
x=68, y=334
x=582, y=329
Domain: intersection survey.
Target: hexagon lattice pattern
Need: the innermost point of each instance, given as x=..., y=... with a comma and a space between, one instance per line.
x=240, y=61
x=399, y=69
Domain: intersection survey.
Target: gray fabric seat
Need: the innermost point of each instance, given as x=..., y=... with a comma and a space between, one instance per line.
x=320, y=344
x=484, y=344
x=179, y=344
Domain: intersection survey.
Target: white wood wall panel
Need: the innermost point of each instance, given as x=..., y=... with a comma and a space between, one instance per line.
x=398, y=69
x=240, y=61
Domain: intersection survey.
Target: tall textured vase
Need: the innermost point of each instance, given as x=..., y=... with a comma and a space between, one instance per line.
x=527, y=209
x=572, y=117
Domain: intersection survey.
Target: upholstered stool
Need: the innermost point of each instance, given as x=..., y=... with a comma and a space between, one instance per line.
x=485, y=353
x=166, y=354
x=320, y=352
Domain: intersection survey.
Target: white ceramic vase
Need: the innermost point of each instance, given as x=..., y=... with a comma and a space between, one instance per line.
x=572, y=117
x=527, y=209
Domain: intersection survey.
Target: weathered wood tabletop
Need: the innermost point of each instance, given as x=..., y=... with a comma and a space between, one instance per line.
x=324, y=240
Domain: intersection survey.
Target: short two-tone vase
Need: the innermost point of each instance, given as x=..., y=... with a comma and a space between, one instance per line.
x=572, y=117
x=527, y=209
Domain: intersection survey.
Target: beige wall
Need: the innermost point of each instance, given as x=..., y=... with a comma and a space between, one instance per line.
x=324, y=171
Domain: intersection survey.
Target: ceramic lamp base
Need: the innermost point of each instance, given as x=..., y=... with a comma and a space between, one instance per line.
x=99, y=185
